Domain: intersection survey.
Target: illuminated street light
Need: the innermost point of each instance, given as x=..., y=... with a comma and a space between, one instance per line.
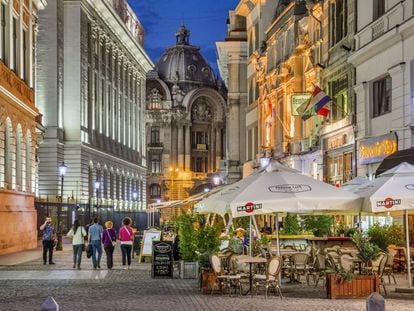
x=62, y=171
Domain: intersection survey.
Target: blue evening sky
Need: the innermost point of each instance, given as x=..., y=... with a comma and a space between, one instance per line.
x=206, y=19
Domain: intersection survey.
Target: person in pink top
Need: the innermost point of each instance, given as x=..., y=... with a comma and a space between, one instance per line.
x=126, y=237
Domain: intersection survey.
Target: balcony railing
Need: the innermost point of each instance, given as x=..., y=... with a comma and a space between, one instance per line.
x=397, y=15
x=199, y=147
x=155, y=145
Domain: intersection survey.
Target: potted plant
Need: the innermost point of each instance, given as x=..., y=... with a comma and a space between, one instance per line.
x=383, y=236
x=291, y=225
x=367, y=251
x=187, y=246
x=319, y=225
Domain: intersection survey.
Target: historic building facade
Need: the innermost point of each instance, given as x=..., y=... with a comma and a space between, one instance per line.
x=384, y=63
x=185, y=123
x=232, y=63
x=20, y=128
x=92, y=71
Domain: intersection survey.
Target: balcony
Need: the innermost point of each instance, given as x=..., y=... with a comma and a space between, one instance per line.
x=12, y=82
x=155, y=145
x=199, y=147
x=395, y=16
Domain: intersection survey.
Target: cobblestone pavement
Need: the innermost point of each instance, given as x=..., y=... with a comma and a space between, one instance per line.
x=26, y=285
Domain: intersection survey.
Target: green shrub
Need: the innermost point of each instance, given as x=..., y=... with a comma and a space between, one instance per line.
x=367, y=251
x=291, y=224
x=382, y=236
x=318, y=225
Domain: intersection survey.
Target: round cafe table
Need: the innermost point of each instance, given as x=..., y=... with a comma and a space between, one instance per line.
x=251, y=261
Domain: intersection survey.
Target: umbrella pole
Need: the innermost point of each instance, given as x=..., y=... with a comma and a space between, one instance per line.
x=277, y=234
x=407, y=239
x=250, y=238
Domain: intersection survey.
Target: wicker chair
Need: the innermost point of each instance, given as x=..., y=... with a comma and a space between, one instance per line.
x=388, y=270
x=224, y=280
x=300, y=266
x=320, y=269
x=381, y=272
x=271, y=278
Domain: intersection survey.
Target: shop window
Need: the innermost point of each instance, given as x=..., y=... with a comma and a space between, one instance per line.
x=339, y=168
x=381, y=95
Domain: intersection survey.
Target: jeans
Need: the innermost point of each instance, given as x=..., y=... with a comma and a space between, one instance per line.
x=47, y=246
x=109, y=251
x=126, y=254
x=77, y=254
x=96, y=248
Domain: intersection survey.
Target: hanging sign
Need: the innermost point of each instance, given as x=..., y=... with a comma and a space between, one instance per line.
x=376, y=149
x=297, y=100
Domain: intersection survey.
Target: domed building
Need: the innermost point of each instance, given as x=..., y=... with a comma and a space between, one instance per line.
x=186, y=123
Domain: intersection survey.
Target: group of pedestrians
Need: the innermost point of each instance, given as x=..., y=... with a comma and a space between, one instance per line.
x=97, y=238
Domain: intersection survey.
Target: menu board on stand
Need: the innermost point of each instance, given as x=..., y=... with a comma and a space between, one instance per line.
x=162, y=259
x=150, y=235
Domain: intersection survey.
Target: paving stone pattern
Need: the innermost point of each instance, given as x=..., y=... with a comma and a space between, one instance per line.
x=25, y=286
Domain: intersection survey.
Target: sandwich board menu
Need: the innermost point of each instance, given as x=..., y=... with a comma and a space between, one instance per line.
x=162, y=259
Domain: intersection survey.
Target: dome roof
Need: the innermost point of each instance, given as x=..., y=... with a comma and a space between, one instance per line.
x=183, y=63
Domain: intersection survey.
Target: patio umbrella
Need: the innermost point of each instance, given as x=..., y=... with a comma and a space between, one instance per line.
x=355, y=183
x=391, y=192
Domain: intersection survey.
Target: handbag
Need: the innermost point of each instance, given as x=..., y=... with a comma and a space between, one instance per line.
x=83, y=247
x=89, y=251
x=109, y=236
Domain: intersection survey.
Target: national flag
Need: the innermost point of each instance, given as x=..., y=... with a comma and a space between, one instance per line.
x=315, y=104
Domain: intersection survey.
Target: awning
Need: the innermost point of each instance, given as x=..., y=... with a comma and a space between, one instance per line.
x=395, y=159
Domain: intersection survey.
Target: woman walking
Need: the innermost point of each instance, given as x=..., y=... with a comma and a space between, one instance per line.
x=126, y=236
x=77, y=233
x=109, y=242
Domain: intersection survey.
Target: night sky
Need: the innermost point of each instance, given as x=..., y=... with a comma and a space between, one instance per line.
x=206, y=19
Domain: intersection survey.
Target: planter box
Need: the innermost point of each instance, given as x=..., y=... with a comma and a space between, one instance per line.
x=188, y=270
x=361, y=286
x=207, y=281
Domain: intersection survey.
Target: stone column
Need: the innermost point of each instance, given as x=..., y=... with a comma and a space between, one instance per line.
x=180, y=142
x=218, y=144
x=187, y=149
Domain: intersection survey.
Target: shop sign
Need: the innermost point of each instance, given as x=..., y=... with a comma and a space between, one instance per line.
x=376, y=149
x=335, y=142
x=297, y=100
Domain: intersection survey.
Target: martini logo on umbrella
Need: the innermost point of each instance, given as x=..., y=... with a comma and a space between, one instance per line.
x=388, y=202
x=250, y=207
x=290, y=188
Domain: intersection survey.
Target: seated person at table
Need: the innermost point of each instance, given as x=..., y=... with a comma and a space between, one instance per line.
x=266, y=229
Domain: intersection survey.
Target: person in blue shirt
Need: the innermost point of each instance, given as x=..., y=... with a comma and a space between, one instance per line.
x=48, y=240
x=95, y=238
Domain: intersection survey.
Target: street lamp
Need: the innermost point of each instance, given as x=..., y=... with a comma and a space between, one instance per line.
x=97, y=185
x=62, y=171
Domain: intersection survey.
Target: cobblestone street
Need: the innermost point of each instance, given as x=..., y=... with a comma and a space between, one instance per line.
x=24, y=287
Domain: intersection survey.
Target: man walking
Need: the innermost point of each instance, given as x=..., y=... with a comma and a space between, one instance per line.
x=94, y=238
x=48, y=240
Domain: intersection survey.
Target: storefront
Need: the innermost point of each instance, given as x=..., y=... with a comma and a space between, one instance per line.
x=372, y=151
x=339, y=158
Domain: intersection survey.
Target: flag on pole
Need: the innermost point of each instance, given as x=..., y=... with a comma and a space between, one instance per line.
x=315, y=105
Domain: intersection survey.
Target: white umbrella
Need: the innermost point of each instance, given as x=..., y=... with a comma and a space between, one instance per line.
x=355, y=183
x=392, y=191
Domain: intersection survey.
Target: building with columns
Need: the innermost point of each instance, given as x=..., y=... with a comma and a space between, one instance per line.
x=91, y=82
x=384, y=62
x=20, y=129
x=232, y=64
x=185, y=123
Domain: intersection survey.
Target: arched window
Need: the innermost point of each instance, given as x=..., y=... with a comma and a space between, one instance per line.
x=155, y=191
x=154, y=99
x=19, y=158
x=7, y=155
x=28, y=162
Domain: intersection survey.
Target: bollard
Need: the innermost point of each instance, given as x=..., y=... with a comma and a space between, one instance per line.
x=375, y=302
x=49, y=304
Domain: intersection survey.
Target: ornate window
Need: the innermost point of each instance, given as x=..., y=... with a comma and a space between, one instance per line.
x=155, y=162
x=155, y=191
x=338, y=21
x=155, y=135
x=154, y=99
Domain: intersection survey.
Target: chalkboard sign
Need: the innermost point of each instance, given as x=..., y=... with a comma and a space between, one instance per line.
x=162, y=259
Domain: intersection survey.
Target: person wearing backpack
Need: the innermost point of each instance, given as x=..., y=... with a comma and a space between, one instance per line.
x=126, y=237
x=109, y=243
x=77, y=233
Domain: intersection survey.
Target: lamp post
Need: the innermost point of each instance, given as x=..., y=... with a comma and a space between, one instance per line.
x=62, y=171
x=97, y=185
